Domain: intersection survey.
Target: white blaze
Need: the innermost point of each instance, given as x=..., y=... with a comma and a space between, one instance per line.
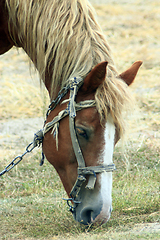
x=105, y=159
x=109, y=141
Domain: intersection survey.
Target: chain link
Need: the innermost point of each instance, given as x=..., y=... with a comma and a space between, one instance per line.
x=56, y=101
x=38, y=139
x=18, y=159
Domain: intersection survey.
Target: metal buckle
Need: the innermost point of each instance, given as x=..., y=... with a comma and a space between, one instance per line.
x=71, y=208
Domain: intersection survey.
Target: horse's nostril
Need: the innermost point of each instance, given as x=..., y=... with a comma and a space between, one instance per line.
x=87, y=216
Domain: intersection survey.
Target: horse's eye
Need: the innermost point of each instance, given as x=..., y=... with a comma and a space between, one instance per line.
x=82, y=132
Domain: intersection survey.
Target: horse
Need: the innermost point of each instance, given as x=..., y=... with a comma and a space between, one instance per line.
x=88, y=97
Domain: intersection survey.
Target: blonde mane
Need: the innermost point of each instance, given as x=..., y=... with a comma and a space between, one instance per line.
x=64, y=40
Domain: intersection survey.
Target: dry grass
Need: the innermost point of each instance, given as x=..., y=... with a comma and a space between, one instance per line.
x=21, y=94
x=134, y=35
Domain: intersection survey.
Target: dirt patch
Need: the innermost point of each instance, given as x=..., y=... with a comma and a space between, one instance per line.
x=146, y=227
x=17, y=133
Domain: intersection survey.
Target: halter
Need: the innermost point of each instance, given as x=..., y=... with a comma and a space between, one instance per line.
x=73, y=85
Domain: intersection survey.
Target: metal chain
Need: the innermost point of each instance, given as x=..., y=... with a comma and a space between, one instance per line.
x=56, y=101
x=38, y=138
x=75, y=81
x=18, y=159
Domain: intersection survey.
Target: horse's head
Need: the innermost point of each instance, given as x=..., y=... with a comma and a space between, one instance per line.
x=96, y=140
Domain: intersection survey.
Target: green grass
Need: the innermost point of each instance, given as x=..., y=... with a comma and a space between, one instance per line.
x=32, y=206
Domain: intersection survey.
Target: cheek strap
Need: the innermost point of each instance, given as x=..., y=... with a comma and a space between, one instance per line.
x=82, y=169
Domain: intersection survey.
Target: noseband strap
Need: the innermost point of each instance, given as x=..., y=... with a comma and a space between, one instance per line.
x=74, y=85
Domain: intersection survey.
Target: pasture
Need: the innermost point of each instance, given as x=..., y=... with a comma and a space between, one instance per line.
x=31, y=205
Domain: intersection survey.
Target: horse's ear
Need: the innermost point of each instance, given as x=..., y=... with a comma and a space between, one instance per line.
x=95, y=78
x=129, y=75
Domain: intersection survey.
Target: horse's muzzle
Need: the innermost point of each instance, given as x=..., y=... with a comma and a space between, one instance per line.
x=89, y=216
x=91, y=212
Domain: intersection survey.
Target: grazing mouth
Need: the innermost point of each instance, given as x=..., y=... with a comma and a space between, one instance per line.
x=88, y=216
